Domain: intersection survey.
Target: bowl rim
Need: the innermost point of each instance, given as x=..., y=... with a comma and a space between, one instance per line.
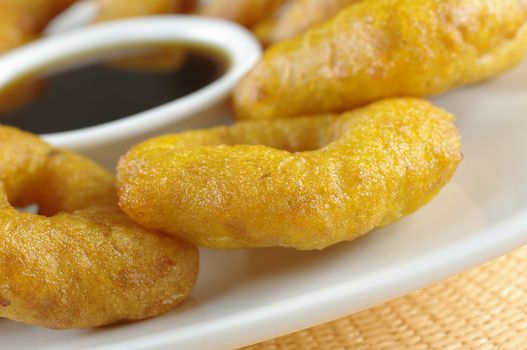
x=54, y=53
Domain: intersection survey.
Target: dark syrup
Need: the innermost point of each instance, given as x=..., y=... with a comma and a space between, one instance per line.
x=99, y=93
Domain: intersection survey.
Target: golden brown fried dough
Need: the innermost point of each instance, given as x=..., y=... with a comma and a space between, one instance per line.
x=298, y=16
x=16, y=29
x=166, y=59
x=85, y=263
x=244, y=12
x=305, y=183
x=117, y=9
x=41, y=12
x=384, y=48
x=20, y=22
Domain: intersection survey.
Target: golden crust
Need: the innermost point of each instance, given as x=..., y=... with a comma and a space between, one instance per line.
x=305, y=183
x=296, y=17
x=85, y=263
x=385, y=48
x=245, y=12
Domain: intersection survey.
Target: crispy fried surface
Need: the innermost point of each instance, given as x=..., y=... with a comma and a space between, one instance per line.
x=244, y=12
x=305, y=183
x=385, y=48
x=298, y=16
x=86, y=263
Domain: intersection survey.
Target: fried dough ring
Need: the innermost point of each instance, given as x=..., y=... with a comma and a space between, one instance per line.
x=245, y=12
x=86, y=263
x=16, y=29
x=41, y=12
x=384, y=48
x=163, y=60
x=116, y=9
x=296, y=17
x=22, y=21
x=305, y=183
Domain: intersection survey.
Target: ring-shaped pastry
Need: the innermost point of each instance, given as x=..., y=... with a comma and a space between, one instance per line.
x=305, y=183
x=82, y=262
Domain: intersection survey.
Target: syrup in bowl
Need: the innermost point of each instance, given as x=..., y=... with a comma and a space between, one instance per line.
x=97, y=93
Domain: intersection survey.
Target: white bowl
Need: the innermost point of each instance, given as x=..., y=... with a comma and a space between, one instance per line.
x=106, y=142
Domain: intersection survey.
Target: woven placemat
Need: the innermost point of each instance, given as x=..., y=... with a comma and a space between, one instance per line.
x=484, y=308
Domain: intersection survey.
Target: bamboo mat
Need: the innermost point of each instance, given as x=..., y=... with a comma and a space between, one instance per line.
x=484, y=308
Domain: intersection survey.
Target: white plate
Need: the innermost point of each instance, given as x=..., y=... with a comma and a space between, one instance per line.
x=248, y=296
